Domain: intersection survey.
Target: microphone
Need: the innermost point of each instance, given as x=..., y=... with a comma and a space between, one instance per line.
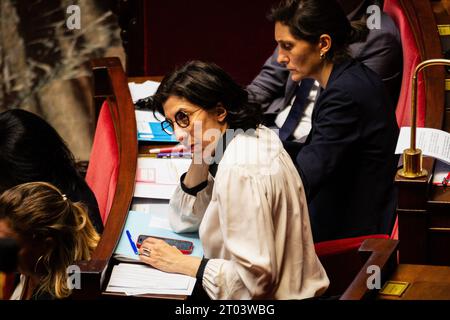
x=9, y=250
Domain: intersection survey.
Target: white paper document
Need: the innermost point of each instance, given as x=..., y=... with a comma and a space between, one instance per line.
x=158, y=178
x=143, y=118
x=148, y=126
x=433, y=142
x=159, y=210
x=142, y=90
x=134, y=279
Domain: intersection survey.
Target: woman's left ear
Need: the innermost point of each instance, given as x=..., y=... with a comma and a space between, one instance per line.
x=221, y=113
x=324, y=44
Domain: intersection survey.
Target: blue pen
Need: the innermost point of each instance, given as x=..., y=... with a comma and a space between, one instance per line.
x=133, y=246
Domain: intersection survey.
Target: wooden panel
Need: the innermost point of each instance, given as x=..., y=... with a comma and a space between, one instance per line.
x=443, y=20
x=414, y=194
x=412, y=226
x=235, y=34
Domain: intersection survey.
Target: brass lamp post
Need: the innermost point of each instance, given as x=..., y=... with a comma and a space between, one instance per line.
x=412, y=157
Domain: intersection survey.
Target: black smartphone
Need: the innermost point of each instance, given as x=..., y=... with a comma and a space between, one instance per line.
x=184, y=246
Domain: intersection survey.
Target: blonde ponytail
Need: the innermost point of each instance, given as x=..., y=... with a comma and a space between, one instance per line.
x=40, y=209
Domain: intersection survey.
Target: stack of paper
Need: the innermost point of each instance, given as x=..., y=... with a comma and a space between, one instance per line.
x=156, y=207
x=142, y=90
x=148, y=126
x=433, y=142
x=158, y=178
x=135, y=279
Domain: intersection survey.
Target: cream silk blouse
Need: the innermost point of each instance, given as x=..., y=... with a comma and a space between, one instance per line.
x=253, y=223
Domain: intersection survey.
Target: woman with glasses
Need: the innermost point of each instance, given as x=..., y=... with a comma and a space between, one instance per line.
x=241, y=192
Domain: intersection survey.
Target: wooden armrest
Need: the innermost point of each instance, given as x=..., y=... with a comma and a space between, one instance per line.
x=111, y=84
x=381, y=253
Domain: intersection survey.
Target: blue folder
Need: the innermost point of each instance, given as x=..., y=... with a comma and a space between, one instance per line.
x=157, y=135
x=140, y=223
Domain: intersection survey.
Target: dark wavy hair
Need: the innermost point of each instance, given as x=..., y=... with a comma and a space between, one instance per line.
x=32, y=150
x=309, y=19
x=208, y=86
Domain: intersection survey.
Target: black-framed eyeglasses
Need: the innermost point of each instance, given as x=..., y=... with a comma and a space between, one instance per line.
x=182, y=120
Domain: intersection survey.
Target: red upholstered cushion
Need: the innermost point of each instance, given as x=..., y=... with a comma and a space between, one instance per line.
x=334, y=247
x=103, y=167
x=341, y=261
x=411, y=58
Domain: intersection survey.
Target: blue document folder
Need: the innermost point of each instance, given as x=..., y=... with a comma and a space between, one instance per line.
x=156, y=135
x=149, y=127
x=141, y=223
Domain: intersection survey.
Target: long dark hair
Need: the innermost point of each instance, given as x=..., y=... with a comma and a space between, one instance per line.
x=32, y=150
x=309, y=19
x=207, y=85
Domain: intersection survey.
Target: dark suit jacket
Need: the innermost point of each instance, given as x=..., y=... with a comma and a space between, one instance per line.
x=347, y=163
x=273, y=87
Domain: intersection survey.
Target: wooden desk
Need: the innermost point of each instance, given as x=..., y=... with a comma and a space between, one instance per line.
x=425, y=282
x=143, y=79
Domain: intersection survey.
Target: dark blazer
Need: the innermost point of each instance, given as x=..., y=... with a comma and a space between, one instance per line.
x=273, y=87
x=347, y=163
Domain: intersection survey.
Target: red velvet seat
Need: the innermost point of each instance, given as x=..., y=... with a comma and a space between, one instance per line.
x=411, y=58
x=102, y=172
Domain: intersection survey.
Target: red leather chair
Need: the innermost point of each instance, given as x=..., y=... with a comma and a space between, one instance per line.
x=411, y=58
x=102, y=172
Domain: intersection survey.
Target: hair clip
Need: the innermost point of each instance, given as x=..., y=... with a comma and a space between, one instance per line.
x=64, y=197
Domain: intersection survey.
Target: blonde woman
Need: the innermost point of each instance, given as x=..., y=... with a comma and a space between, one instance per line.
x=52, y=231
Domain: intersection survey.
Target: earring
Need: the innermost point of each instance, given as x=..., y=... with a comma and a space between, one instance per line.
x=322, y=55
x=37, y=262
